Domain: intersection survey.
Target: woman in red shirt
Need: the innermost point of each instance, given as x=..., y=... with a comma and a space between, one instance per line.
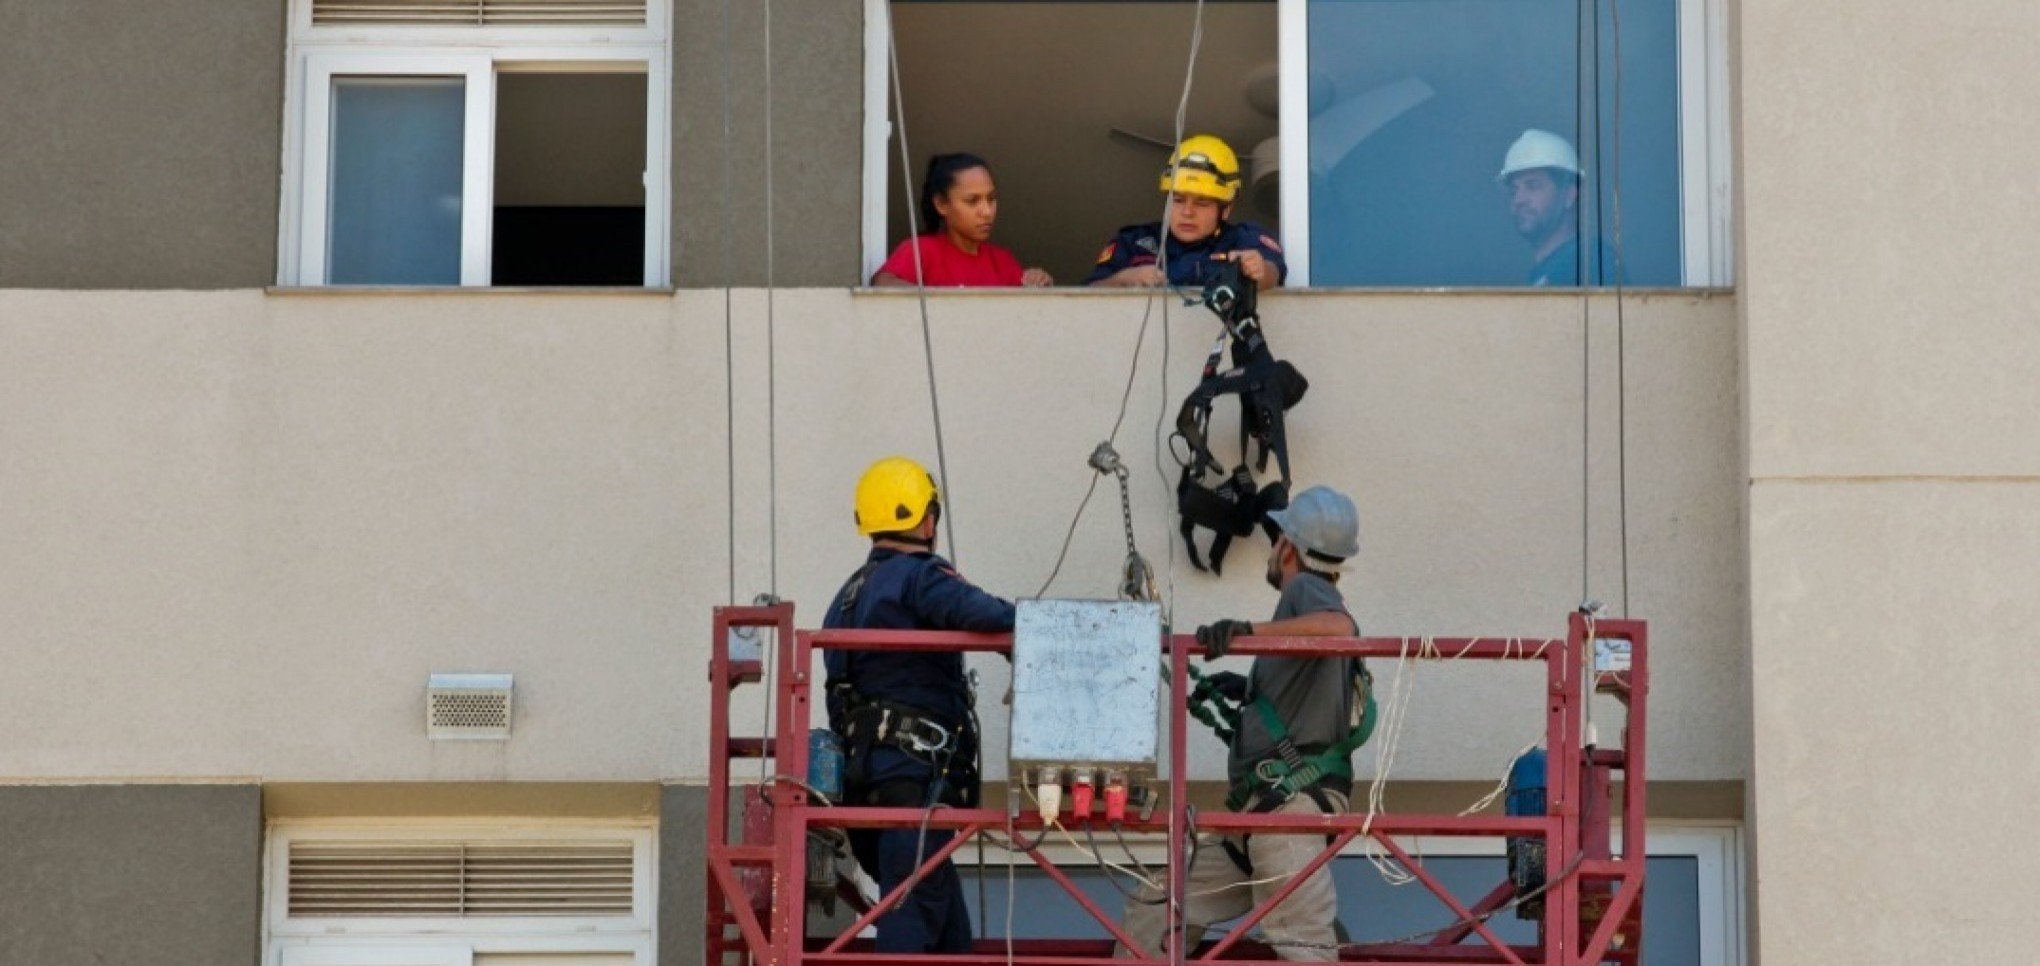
x=959, y=203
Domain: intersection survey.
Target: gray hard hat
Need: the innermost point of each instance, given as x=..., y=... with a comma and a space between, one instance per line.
x=1323, y=524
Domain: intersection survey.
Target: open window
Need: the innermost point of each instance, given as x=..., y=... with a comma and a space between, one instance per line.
x=1374, y=135
x=524, y=150
x=1073, y=105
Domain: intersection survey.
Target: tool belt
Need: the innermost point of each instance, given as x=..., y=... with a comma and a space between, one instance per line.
x=947, y=749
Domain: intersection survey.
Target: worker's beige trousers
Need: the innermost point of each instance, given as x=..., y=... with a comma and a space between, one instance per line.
x=1218, y=891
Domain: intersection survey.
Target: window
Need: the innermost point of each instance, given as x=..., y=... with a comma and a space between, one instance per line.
x=491, y=142
x=1691, y=902
x=427, y=894
x=1424, y=169
x=1373, y=133
x=1073, y=106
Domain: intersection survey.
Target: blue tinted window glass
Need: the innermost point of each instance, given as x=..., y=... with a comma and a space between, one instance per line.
x=1370, y=909
x=395, y=204
x=1445, y=142
x=1374, y=911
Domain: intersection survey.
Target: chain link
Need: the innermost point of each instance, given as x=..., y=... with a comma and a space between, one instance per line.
x=1137, y=577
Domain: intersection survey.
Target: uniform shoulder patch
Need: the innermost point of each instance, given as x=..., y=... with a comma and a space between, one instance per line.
x=1268, y=241
x=1106, y=255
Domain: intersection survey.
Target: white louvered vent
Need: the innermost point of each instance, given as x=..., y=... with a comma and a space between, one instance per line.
x=468, y=706
x=460, y=880
x=479, y=13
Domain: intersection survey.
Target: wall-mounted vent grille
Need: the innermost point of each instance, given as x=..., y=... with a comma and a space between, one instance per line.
x=468, y=706
x=460, y=880
x=479, y=13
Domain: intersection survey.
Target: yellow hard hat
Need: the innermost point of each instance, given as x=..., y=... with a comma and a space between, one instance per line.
x=894, y=496
x=1203, y=165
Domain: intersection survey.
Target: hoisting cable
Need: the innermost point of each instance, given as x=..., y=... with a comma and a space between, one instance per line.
x=768, y=659
x=1620, y=282
x=1162, y=258
x=729, y=328
x=771, y=332
x=921, y=286
x=1621, y=279
x=1586, y=334
x=948, y=516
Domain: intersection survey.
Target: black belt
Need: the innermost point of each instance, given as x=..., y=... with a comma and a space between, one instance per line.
x=907, y=728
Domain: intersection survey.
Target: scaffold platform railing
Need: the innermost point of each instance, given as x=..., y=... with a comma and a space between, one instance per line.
x=757, y=877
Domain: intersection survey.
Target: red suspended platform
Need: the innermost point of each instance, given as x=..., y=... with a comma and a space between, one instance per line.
x=1592, y=904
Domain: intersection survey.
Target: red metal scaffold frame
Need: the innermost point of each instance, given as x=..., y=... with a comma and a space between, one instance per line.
x=1593, y=902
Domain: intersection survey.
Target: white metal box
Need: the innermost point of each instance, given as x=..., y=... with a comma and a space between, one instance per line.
x=1086, y=684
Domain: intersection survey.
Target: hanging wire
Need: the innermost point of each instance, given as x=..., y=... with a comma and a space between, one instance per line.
x=1140, y=340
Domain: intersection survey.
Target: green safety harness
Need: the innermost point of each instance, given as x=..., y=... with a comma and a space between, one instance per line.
x=1278, y=779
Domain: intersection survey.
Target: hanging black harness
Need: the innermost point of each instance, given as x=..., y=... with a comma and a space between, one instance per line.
x=1230, y=504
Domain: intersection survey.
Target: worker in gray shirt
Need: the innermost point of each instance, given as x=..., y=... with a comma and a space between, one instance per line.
x=1299, y=721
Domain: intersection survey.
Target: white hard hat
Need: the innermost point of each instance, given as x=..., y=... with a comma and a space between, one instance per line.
x=1539, y=149
x=1323, y=524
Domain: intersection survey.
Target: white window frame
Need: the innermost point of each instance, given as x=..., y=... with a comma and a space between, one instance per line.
x=1707, y=252
x=355, y=954
x=478, y=54
x=635, y=935
x=877, y=131
x=1716, y=847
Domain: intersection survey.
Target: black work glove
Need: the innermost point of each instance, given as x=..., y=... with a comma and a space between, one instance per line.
x=1217, y=637
x=1230, y=685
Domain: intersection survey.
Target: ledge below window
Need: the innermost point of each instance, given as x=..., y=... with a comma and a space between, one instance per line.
x=388, y=290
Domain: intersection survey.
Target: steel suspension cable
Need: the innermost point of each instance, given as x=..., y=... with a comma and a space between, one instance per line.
x=892, y=45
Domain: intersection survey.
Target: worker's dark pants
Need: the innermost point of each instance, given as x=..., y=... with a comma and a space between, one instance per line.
x=933, y=917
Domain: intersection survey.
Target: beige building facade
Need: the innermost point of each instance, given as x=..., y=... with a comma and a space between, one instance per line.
x=247, y=516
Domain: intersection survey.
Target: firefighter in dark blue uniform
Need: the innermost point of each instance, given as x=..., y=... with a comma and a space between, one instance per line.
x=1202, y=179
x=905, y=718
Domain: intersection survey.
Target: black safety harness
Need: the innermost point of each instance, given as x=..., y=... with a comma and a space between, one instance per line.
x=1231, y=504
x=947, y=747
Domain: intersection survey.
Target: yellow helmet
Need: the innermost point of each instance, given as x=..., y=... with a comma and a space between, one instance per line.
x=894, y=495
x=1203, y=165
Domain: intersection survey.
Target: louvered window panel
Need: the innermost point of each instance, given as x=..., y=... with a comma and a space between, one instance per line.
x=479, y=13
x=461, y=880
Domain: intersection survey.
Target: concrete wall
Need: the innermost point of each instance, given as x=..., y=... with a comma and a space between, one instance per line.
x=683, y=871
x=245, y=528
x=148, y=875
x=1889, y=311
x=815, y=49
x=150, y=143
x=143, y=143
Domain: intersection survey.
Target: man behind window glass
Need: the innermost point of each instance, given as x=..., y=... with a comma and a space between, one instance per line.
x=1541, y=178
